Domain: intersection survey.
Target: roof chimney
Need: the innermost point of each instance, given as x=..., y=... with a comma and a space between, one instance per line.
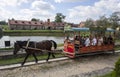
x=48, y=20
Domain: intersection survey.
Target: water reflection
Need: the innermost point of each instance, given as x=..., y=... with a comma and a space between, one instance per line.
x=36, y=38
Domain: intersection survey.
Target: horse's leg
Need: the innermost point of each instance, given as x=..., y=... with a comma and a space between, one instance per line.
x=53, y=55
x=25, y=59
x=36, y=60
x=48, y=56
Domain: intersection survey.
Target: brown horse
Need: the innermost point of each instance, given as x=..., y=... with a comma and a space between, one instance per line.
x=38, y=47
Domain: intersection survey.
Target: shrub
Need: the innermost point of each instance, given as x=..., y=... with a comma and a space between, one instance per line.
x=117, y=68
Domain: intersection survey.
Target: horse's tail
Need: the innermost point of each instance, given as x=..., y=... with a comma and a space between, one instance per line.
x=55, y=44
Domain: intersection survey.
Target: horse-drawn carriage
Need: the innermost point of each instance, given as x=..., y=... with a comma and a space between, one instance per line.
x=79, y=44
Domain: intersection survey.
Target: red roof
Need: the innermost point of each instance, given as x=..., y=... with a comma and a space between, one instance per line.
x=38, y=23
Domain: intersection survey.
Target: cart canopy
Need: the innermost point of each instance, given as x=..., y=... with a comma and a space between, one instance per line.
x=87, y=29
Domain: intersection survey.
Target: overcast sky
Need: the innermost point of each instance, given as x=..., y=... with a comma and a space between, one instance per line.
x=74, y=10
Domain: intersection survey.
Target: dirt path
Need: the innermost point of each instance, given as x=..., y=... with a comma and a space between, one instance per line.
x=85, y=66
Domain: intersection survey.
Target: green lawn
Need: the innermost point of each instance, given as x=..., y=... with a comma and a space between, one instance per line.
x=20, y=59
x=34, y=32
x=117, y=47
x=45, y=31
x=118, y=40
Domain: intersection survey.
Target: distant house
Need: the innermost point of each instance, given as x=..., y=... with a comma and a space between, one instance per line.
x=82, y=24
x=36, y=25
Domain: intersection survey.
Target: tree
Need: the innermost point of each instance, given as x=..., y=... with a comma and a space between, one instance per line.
x=89, y=23
x=114, y=20
x=34, y=19
x=59, y=17
x=3, y=23
x=103, y=22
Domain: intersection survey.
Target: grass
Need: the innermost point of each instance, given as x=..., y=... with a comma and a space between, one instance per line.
x=5, y=27
x=117, y=48
x=59, y=45
x=19, y=60
x=34, y=32
x=6, y=48
x=117, y=40
x=23, y=31
x=111, y=74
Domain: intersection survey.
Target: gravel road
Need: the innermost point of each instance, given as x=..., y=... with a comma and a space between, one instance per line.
x=84, y=66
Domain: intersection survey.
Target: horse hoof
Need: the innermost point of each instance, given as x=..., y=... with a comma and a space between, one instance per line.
x=22, y=64
x=47, y=60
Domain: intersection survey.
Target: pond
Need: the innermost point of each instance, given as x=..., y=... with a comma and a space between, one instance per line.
x=13, y=39
x=37, y=38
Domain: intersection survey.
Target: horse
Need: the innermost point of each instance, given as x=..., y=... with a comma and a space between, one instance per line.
x=45, y=45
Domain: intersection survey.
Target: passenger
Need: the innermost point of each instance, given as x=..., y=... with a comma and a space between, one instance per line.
x=83, y=41
x=105, y=41
x=100, y=41
x=110, y=39
x=67, y=39
x=87, y=41
x=77, y=42
x=94, y=41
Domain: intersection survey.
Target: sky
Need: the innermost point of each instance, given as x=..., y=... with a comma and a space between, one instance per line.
x=74, y=10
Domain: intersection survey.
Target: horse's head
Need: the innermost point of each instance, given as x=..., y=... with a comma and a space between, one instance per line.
x=16, y=48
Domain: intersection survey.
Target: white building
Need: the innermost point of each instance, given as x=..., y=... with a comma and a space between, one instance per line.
x=5, y=42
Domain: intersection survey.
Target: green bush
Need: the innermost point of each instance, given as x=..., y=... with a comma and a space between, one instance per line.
x=117, y=68
x=111, y=74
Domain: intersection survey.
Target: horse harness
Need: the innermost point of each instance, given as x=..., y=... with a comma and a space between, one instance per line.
x=27, y=46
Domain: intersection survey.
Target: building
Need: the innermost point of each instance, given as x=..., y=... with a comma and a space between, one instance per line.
x=5, y=42
x=82, y=24
x=37, y=25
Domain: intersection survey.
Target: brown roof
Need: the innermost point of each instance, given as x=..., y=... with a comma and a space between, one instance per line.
x=39, y=23
x=34, y=23
x=20, y=22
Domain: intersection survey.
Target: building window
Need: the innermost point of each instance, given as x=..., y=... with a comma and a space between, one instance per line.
x=7, y=43
x=29, y=22
x=15, y=21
